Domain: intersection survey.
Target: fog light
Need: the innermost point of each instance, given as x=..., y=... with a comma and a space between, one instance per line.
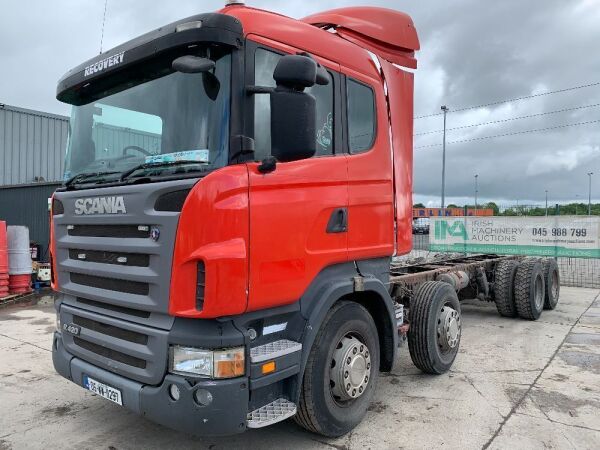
x=203, y=397
x=174, y=392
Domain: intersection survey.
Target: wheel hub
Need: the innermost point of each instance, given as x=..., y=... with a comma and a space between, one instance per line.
x=350, y=368
x=448, y=330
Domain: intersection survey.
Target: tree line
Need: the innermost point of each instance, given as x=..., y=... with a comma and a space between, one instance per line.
x=568, y=209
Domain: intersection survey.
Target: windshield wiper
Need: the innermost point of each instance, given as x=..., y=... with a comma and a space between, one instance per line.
x=158, y=164
x=87, y=175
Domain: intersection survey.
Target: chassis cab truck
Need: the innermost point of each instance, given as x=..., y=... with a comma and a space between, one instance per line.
x=236, y=184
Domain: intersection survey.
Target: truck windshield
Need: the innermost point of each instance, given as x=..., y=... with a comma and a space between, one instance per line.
x=176, y=117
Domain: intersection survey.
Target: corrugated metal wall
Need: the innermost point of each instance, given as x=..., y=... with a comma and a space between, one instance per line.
x=110, y=140
x=32, y=144
x=28, y=205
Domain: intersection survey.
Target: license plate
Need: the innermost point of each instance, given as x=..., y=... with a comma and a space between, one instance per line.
x=103, y=390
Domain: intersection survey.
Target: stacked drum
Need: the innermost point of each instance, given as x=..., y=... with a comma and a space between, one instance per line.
x=19, y=260
x=3, y=261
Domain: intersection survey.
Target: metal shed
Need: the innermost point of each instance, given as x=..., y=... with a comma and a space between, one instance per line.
x=32, y=148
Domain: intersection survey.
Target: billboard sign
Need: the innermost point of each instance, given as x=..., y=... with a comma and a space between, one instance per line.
x=560, y=236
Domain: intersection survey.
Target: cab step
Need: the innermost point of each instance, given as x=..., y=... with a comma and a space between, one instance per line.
x=271, y=413
x=274, y=350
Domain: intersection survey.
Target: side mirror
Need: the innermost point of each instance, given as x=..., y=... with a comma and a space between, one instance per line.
x=196, y=64
x=293, y=111
x=193, y=64
x=295, y=72
x=293, y=125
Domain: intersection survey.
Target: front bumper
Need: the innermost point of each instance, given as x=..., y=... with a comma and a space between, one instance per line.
x=227, y=414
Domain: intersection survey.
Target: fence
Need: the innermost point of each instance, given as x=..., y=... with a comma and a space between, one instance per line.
x=577, y=272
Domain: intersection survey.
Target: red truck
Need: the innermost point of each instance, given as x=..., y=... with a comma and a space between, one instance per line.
x=236, y=185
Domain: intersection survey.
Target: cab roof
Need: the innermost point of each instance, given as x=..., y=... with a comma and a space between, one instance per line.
x=388, y=33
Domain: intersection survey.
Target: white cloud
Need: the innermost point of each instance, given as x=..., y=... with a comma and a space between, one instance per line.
x=562, y=160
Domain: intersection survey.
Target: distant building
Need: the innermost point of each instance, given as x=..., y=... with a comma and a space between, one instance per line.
x=437, y=212
x=32, y=153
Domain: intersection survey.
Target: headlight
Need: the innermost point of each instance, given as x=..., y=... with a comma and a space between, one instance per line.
x=227, y=363
x=58, y=321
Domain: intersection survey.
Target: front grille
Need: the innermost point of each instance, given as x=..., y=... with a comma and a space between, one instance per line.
x=102, y=257
x=119, y=309
x=110, y=330
x=111, y=284
x=171, y=201
x=109, y=353
x=116, y=231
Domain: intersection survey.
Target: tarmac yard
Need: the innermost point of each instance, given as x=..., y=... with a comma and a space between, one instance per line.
x=515, y=384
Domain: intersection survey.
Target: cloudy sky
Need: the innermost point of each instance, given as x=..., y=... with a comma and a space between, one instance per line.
x=474, y=52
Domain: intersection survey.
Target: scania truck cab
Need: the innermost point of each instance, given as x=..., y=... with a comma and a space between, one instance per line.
x=236, y=184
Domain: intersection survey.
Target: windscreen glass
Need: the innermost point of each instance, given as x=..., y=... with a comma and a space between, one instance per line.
x=175, y=118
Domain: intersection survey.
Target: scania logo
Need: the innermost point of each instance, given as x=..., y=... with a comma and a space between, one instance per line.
x=100, y=205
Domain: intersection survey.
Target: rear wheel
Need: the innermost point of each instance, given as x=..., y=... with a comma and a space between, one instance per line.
x=341, y=372
x=529, y=289
x=503, y=287
x=435, y=327
x=552, y=280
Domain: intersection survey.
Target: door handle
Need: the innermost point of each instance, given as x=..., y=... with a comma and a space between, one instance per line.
x=338, y=222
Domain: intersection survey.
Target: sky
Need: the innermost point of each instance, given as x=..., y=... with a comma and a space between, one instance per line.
x=473, y=52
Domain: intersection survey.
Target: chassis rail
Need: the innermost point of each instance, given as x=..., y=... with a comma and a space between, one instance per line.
x=404, y=277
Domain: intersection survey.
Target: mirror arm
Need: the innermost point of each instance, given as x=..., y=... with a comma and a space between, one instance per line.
x=251, y=90
x=242, y=148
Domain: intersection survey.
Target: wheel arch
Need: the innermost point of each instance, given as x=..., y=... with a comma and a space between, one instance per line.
x=336, y=284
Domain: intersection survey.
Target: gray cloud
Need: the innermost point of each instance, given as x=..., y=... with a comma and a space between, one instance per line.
x=473, y=52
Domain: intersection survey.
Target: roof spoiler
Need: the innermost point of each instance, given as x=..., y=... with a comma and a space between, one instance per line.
x=385, y=32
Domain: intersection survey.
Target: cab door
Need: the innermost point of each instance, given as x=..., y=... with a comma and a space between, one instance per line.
x=294, y=209
x=371, y=190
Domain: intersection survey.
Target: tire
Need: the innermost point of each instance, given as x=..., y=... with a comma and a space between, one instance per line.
x=504, y=287
x=430, y=349
x=319, y=410
x=529, y=289
x=552, y=282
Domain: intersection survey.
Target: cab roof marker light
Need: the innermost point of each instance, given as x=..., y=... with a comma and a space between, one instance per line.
x=188, y=26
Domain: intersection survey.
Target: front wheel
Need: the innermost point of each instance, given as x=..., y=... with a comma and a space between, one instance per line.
x=341, y=372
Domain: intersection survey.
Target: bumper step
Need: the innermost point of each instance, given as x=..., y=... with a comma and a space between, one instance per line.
x=274, y=412
x=274, y=350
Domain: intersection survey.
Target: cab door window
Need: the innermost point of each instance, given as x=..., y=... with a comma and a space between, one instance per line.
x=361, y=116
x=264, y=65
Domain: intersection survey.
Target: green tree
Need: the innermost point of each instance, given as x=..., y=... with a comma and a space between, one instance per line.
x=493, y=206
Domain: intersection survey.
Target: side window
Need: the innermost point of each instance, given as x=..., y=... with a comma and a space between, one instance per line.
x=264, y=65
x=361, y=116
